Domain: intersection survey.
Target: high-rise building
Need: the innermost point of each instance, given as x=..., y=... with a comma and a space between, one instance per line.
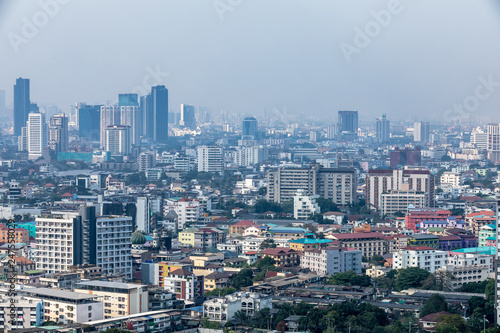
x=22, y=104
x=147, y=115
x=3, y=109
x=128, y=100
x=22, y=140
x=339, y=184
x=131, y=116
x=67, y=239
x=347, y=126
x=383, y=181
x=58, y=133
x=493, y=142
x=210, y=159
x=330, y=132
x=36, y=132
x=142, y=217
x=117, y=140
x=383, y=129
x=146, y=160
x=89, y=121
x=187, y=116
x=110, y=115
x=421, y=132
x=159, y=95
x=249, y=128
x=249, y=156
x=405, y=157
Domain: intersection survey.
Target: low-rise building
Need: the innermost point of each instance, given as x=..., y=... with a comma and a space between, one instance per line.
x=369, y=243
x=29, y=312
x=185, y=285
x=424, y=257
x=331, y=260
x=485, y=232
x=429, y=240
x=283, y=256
x=305, y=244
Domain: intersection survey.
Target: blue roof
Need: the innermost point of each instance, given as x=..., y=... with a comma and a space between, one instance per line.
x=481, y=250
x=310, y=241
x=491, y=238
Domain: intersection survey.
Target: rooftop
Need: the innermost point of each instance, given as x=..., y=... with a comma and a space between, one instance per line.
x=60, y=294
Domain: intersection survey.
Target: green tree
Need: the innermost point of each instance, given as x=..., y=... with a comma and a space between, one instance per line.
x=222, y=292
x=264, y=263
x=241, y=317
x=349, y=279
x=376, y=260
x=436, y=303
x=411, y=277
x=287, y=206
x=327, y=205
x=450, y=322
x=242, y=279
x=205, y=323
x=267, y=243
x=399, y=214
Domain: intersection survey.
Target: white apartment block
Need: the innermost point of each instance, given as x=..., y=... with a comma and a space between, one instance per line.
x=118, y=299
x=68, y=307
x=451, y=178
x=221, y=309
x=304, y=206
x=29, y=312
x=37, y=135
x=399, y=201
x=423, y=257
x=249, y=156
x=332, y=260
x=142, y=215
x=188, y=210
x=210, y=159
x=118, y=140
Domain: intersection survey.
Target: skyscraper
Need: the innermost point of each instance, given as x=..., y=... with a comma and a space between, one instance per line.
x=117, y=140
x=147, y=116
x=187, y=116
x=89, y=121
x=110, y=115
x=21, y=104
x=348, y=125
x=249, y=128
x=159, y=95
x=131, y=116
x=421, y=132
x=128, y=100
x=2, y=103
x=36, y=131
x=210, y=159
x=383, y=129
x=58, y=133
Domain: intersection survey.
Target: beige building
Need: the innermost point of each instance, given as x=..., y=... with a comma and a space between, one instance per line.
x=398, y=201
x=30, y=312
x=119, y=299
x=370, y=243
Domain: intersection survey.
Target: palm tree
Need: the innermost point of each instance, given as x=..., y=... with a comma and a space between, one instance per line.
x=241, y=317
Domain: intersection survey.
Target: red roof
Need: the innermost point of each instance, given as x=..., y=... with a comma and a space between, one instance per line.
x=433, y=317
x=181, y=272
x=251, y=252
x=49, y=185
x=418, y=248
x=278, y=251
x=67, y=195
x=244, y=224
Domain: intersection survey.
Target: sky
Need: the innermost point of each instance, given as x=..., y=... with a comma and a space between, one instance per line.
x=408, y=59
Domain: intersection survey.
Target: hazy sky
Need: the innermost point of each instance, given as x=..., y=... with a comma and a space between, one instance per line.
x=247, y=56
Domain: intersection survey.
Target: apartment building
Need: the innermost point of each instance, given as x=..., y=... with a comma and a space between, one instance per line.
x=119, y=299
x=28, y=311
x=339, y=185
x=188, y=210
x=424, y=257
x=305, y=206
x=68, y=307
x=21, y=235
x=399, y=201
x=185, y=285
x=468, y=267
x=382, y=181
x=476, y=220
x=210, y=159
x=370, y=243
x=451, y=178
x=305, y=244
x=223, y=308
x=283, y=256
x=486, y=232
x=331, y=260
x=429, y=240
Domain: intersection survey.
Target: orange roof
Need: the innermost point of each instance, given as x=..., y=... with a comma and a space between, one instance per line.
x=244, y=224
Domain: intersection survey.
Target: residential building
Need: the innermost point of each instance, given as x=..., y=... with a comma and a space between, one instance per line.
x=36, y=131
x=188, y=119
x=130, y=116
x=347, y=124
x=486, y=232
x=383, y=129
x=283, y=256
x=58, y=133
x=468, y=267
x=493, y=143
x=249, y=128
x=217, y=280
x=428, y=240
x=370, y=243
x=118, y=140
x=146, y=160
x=28, y=312
x=210, y=159
x=305, y=206
x=479, y=219
x=67, y=307
x=142, y=215
x=20, y=235
x=109, y=116
x=424, y=257
x=331, y=260
x=188, y=210
x=119, y=299
x=399, y=201
x=185, y=285
x=305, y=244
x=221, y=309
x=159, y=104
x=89, y=121
x=421, y=132
x=240, y=227
x=451, y=178
x=405, y=157
x=415, y=217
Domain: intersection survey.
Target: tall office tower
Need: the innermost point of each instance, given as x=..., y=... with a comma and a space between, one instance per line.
x=479, y=138
x=348, y=125
x=493, y=142
x=337, y=184
x=380, y=181
x=187, y=116
x=117, y=140
x=146, y=160
x=110, y=115
x=249, y=128
x=383, y=129
x=146, y=106
x=89, y=121
x=131, y=116
x=159, y=95
x=210, y=159
x=21, y=104
x=204, y=115
x=3, y=109
x=142, y=216
x=67, y=239
x=330, y=132
x=128, y=100
x=36, y=133
x=421, y=132
x=58, y=133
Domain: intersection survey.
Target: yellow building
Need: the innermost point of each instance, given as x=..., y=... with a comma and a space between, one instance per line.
x=166, y=267
x=186, y=237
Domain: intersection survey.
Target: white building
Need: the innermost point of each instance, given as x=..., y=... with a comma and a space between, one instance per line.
x=29, y=312
x=399, y=201
x=131, y=116
x=249, y=156
x=68, y=307
x=188, y=210
x=110, y=115
x=37, y=137
x=142, y=215
x=332, y=260
x=117, y=140
x=223, y=308
x=146, y=160
x=304, y=206
x=469, y=267
x=120, y=299
x=424, y=257
x=451, y=178
x=210, y=159
x=185, y=285
x=58, y=133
